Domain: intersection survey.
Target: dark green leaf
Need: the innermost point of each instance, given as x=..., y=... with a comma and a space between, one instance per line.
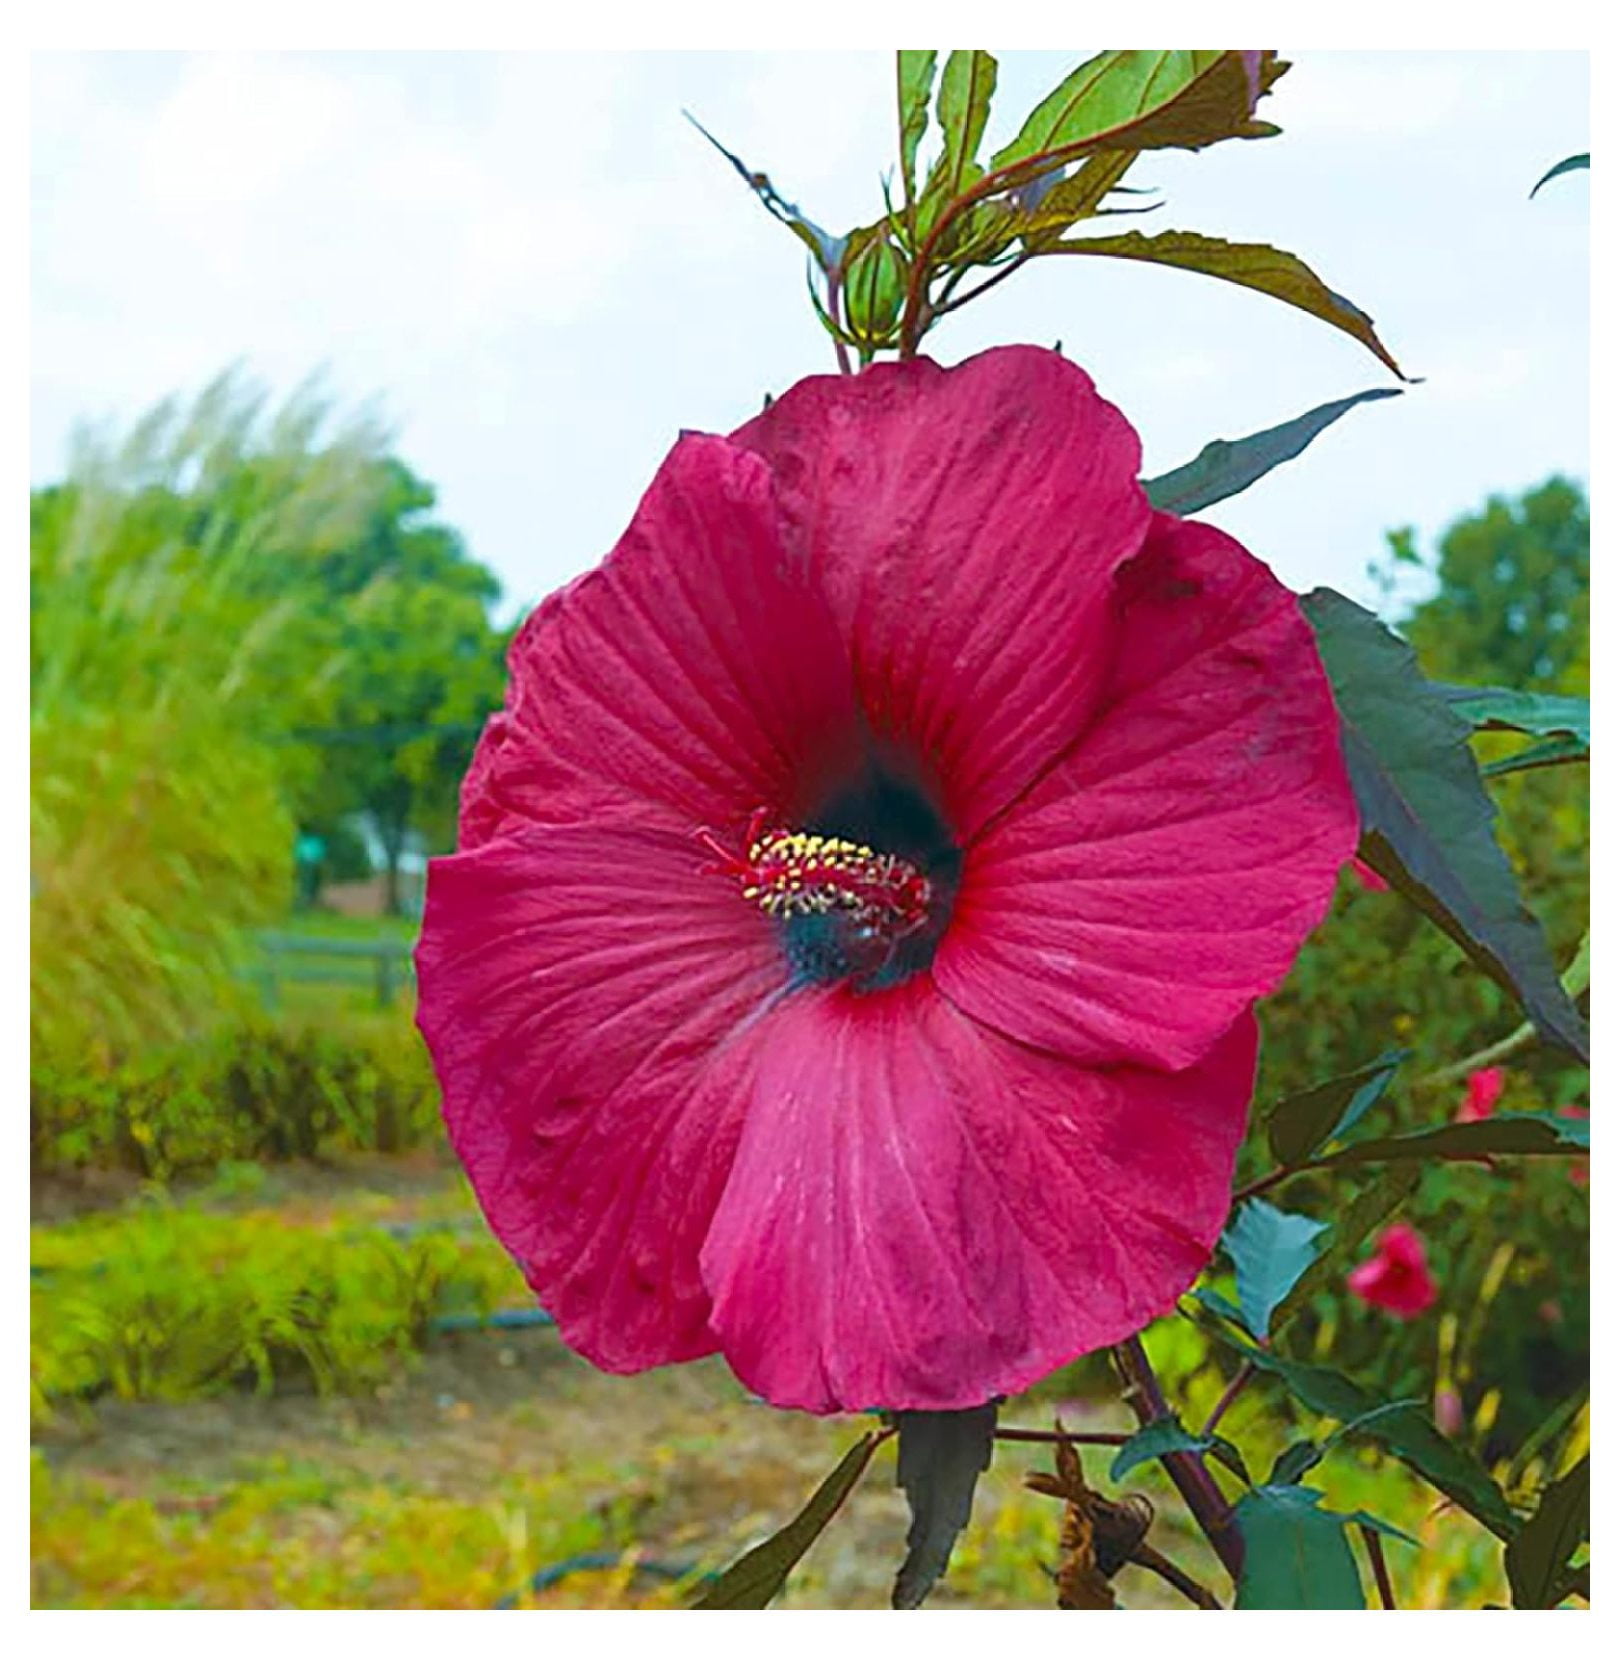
x=1269, y=1249
x=1537, y=1558
x=1570, y=164
x=1252, y=265
x=1503, y=1135
x=1541, y=714
x=1405, y=1430
x=1550, y=752
x=942, y=1455
x=1299, y=1124
x=1362, y=1519
x=1163, y=1435
x=1294, y=1554
x=965, y=90
x=1295, y=1461
x=1426, y=817
x=756, y=1576
x=1148, y=101
x=914, y=72
x=1368, y=1209
x=1217, y=1304
x=1227, y=1455
x=1226, y=466
x=827, y=250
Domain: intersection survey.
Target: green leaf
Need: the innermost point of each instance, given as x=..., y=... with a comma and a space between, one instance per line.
x=1426, y=817
x=1252, y=265
x=1226, y=466
x=756, y=1576
x=1163, y=1435
x=1540, y=714
x=827, y=250
x=914, y=75
x=1503, y=1135
x=1295, y=1461
x=942, y=1455
x=874, y=289
x=1294, y=1554
x=1362, y=1519
x=1537, y=1558
x=1148, y=101
x=1550, y=752
x=1405, y=1430
x=1299, y=1124
x=1269, y=1249
x=1570, y=164
x=1370, y=1207
x=1217, y=1304
x=965, y=91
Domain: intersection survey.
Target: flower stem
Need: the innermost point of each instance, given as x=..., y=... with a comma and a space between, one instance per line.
x=1233, y=1390
x=1056, y=1438
x=1380, y=1568
x=1186, y=1469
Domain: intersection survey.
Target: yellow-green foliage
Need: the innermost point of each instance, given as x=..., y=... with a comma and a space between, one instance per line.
x=300, y=1536
x=159, y=681
x=251, y=1088
x=166, y=1302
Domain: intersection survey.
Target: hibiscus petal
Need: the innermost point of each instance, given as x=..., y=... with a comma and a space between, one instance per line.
x=1163, y=876
x=965, y=524
x=582, y=993
x=694, y=676
x=924, y=1215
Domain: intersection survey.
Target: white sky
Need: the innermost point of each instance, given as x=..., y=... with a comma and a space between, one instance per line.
x=544, y=274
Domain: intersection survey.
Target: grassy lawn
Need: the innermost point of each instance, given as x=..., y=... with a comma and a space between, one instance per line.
x=461, y=1465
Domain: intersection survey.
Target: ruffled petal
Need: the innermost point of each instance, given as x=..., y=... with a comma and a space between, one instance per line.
x=694, y=676
x=1163, y=876
x=965, y=524
x=583, y=993
x=924, y=1215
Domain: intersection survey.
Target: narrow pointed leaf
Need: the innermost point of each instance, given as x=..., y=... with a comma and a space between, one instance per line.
x=1253, y=265
x=1148, y=101
x=1406, y=1431
x=1269, y=1249
x=1570, y=164
x=1537, y=1559
x=1370, y=1207
x=942, y=1455
x=1426, y=817
x=1550, y=752
x=1299, y=1124
x=914, y=73
x=1503, y=1135
x=1163, y=1435
x=1389, y=1531
x=755, y=1577
x=965, y=90
x=1226, y=466
x=1295, y=1554
x=1540, y=714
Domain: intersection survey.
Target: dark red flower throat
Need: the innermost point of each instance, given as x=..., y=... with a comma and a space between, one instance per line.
x=862, y=892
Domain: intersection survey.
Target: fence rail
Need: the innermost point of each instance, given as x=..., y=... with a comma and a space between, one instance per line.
x=286, y=959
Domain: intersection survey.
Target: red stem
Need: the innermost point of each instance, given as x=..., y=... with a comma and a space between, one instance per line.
x=1233, y=1390
x=1053, y=1438
x=1380, y=1568
x=1186, y=1469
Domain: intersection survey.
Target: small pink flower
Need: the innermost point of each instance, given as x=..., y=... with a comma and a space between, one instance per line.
x=1396, y=1276
x=1484, y=1091
x=1368, y=877
x=1448, y=1411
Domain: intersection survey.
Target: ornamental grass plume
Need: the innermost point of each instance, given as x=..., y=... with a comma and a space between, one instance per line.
x=848, y=960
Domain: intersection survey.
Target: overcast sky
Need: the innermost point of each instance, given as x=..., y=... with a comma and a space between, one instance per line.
x=544, y=274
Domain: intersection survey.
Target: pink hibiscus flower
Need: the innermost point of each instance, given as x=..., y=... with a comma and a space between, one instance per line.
x=1484, y=1091
x=1368, y=877
x=848, y=961
x=1396, y=1276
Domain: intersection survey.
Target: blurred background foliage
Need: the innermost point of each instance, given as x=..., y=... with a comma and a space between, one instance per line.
x=248, y=627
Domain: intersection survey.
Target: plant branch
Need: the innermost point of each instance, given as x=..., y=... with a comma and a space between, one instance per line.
x=1145, y=1556
x=1057, y=1438
x=1232, y=1391
x=1186, y=1469
x=1380, y=1568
